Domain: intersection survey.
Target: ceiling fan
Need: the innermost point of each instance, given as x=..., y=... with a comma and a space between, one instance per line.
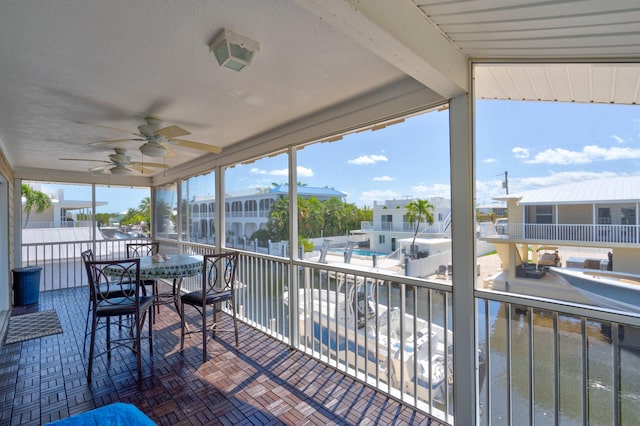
x=158, y=140
x=120, y=164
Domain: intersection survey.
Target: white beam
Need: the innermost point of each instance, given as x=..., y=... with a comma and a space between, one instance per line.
x=399, y=33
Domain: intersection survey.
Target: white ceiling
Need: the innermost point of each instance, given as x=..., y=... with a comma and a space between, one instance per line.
x=114, y=62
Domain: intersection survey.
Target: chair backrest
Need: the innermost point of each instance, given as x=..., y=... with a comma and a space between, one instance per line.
x=87, y=255
x=219, y=271
x=142, y=249
x=113, y=278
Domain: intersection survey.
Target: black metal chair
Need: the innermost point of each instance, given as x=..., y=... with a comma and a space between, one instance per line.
x=115, y=293
x=218, y=286
x=146, y=249
x=88, y=256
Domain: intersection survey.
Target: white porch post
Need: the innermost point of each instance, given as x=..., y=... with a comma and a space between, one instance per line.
x=221, y=221
x=463, y=245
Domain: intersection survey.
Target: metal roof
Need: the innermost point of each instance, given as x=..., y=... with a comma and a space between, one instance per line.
x=618, y=189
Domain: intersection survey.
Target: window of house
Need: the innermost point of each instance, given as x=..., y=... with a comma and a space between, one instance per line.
x=604, y=215
x=628, y=216
x=199, y=191
x=544, y=214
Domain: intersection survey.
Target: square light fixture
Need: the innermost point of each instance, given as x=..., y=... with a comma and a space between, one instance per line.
x=232, y=50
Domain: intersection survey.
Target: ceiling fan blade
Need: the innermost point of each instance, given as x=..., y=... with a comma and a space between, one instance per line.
x=106, y=166
x=145, y=164
x=142, y=170
x=84, y=159
x=170, y=152
x=172, y=132
x=117, y=141
x=197, y=145
x=107, y=127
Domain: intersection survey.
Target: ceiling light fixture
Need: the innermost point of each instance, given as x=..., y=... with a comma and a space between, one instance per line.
x=120, y=170
x=232, y=50
x=153, y=149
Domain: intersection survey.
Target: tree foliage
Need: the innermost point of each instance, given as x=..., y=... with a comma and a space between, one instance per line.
x=316, y=218
x=34, y=200
x=419, y=211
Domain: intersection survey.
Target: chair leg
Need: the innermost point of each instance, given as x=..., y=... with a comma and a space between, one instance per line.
x=138, y=328
x=94, y=326
x=235, y=323
x=182, y=326
x=204, y=333
x=86, y=328
x=150, y=330
x=108, y=338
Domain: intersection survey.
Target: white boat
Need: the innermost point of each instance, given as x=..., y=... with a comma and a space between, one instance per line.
x=608, y=289
x=375, y=340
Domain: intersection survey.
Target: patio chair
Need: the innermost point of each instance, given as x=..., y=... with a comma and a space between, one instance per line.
x=113, y=296
x=88, y=256
x=146, y=249
x=441, y=272
x=218, y=286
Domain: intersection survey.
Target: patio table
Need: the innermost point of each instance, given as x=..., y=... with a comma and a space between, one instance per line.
x=175, y=267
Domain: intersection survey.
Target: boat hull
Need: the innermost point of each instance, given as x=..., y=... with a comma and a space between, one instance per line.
x=611, y=290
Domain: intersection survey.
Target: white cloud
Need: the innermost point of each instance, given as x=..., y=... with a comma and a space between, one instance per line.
x=257, y=171
x=280, y=172
x=368, y=159
x=435, y=190
x=588, y=154
x=383, y=178
x=304, y=172
x=378, y=195
x=520, y=152
x=489, y=160
x=618, y=138
x=524, y=184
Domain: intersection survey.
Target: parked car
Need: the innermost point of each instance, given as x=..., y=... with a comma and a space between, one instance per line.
x=501, y=226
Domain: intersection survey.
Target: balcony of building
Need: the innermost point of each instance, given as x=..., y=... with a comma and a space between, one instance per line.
x=311, y=369
x=597, y=235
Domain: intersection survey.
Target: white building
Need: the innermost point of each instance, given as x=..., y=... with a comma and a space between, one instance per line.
x=245, y=214
x=390, y=224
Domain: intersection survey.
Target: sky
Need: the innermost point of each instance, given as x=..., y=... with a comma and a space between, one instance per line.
x=537, y=143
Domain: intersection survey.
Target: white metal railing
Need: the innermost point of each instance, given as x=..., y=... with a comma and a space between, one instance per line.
x=539, y=361
x=563, y=232
x=58, y=224
x=556, y=363
x=61, y=263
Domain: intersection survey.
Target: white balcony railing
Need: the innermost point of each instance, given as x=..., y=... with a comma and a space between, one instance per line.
x=538, y=362
x=563, y=232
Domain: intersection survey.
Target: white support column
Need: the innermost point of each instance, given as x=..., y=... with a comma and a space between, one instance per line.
x=463, y=245
x=220, y=222
x=293, y=248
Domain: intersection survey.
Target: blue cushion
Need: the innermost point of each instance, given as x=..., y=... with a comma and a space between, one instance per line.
x=117, y=414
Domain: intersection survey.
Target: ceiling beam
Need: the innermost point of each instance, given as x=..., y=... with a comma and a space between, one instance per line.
x=399, y=33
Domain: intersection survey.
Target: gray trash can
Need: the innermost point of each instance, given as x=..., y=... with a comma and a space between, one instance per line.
x=26, y=285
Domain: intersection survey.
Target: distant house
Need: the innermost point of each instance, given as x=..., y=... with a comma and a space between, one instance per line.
x=390, y=224
x=245, y=214
x=62, y=213
x=600, y=213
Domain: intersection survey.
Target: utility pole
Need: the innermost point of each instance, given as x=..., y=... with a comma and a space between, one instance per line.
x=505, y=184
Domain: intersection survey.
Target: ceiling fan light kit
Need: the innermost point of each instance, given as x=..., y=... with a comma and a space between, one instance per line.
x=153, y=149
x=233, y=50
x=120, y=170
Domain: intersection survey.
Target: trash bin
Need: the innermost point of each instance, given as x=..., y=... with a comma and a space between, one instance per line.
x=26, y=285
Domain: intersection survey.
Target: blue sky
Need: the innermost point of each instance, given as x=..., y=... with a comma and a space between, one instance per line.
x=548, y=143
x=537, y=143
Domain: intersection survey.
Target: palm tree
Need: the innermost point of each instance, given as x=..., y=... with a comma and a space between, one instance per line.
x=34, y=199
x=419, y=211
